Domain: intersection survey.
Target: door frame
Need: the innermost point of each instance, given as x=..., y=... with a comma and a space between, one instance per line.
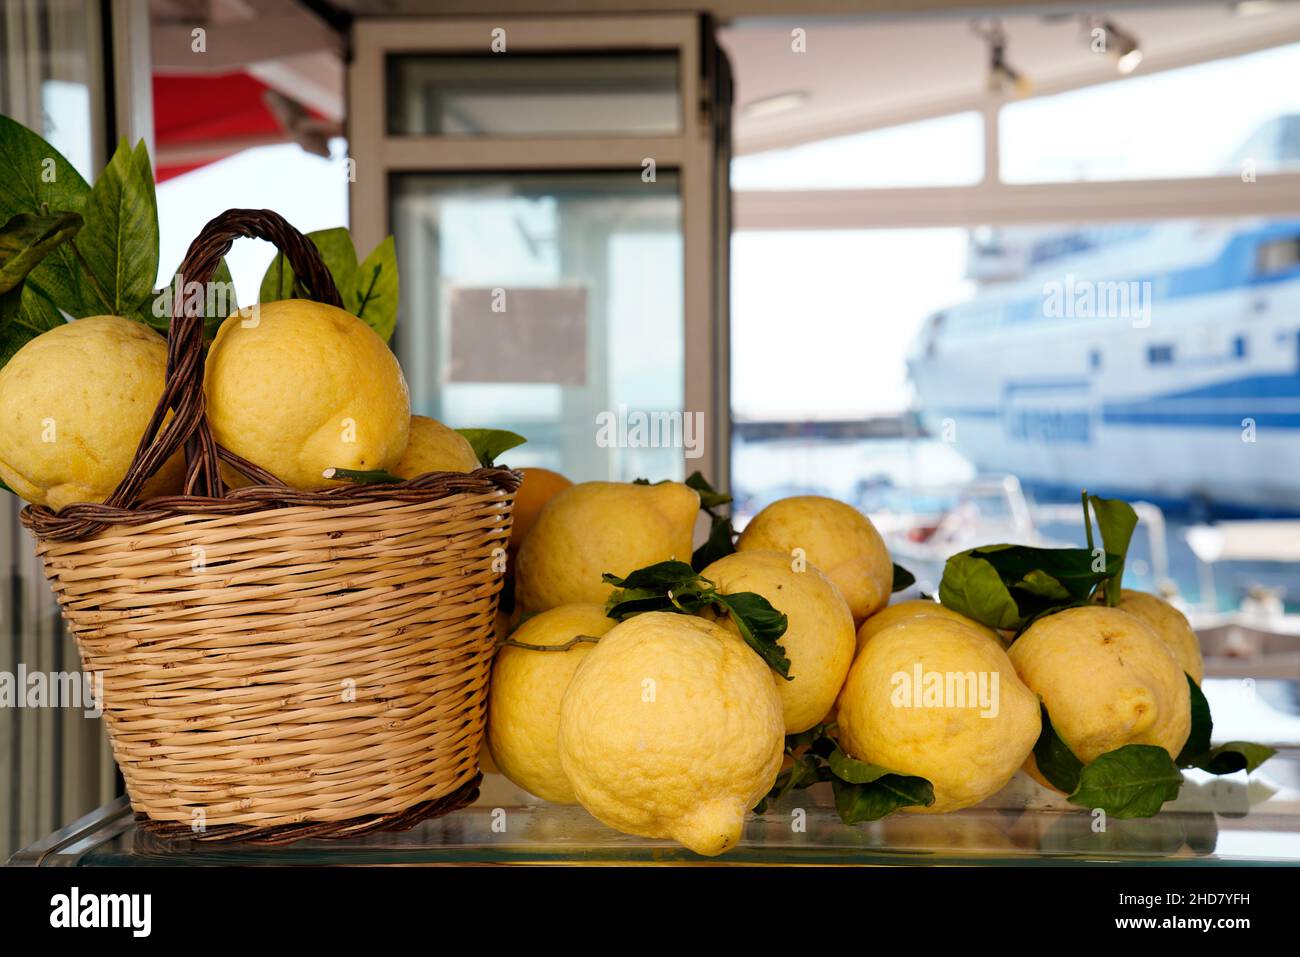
x=691, y=152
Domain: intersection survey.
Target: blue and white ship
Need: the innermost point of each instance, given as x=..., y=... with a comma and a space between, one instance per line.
x=1158, y=361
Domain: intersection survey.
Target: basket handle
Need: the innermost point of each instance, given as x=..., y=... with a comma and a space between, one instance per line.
x=183, y=388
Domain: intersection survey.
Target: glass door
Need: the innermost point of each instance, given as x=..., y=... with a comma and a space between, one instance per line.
x=551, y=187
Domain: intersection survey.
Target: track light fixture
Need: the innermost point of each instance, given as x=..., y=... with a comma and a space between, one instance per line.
x=1003, y=78
x=1106, y=37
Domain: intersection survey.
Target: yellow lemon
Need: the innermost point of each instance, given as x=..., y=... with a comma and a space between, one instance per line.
x=76, y=401
x=818, y=638
x=298, y=387
x=671, y=728
x=433, y=447
x=935, y=698
x=598, y=527
x=1171, y=627
x=525, y=694
x=501, y=629
x=835, y=537
x=1106, y=679
x=918, y=607
x=535, y=491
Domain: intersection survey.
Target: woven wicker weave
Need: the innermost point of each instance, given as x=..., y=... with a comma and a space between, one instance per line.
x=277, y=663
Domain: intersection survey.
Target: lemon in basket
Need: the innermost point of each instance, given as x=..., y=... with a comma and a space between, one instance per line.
x=598, y=527
x=298, y=387
x=835, y=537
x=524, y=697
x=818, y=638
x=937, y=699
x=1171, y=626
x=1106, y=680
x=76, y=400
x=433, y=447
x=671, y=728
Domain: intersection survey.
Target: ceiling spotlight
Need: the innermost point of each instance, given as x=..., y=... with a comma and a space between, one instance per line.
x=772, y=105
x=1003, y=78
x=1122, y=45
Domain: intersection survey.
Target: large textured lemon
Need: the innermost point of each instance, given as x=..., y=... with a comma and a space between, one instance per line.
x=835, y=537
x=1106, y=680
x=937, y=699
x=818, y=638
x=75, y=401
x=433, y=447
x=918, y=607
x=671, y=728
x=598, y=527
x=298, y=387
x=1171, y=627
x=524, y=702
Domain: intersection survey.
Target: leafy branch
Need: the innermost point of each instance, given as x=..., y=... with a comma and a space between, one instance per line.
x=675, y=586
x=862, y=791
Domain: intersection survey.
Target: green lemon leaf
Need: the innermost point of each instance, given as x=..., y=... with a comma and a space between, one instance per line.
x=27, y=238
x=24, y=315
x=489, y=443
x=1227, y=758
x=902, y=578
x=710, y=498
x=885, y=795
x=363, y=476
x=760, y=625
x=1055, y=760
x=803, y=773
x=720, y=543
x=1198, y=741
x=972, y=586
x=336, y=252
x=120, y=239
x=1072, y=568
x=1043, y=585
x=661, y=576
x=373, y=292
x=853, y=771
x=1133, y=781
x=35, y=178
x=666, y=586
x=676, y=586
x=1117, y=521
x=1234, y=756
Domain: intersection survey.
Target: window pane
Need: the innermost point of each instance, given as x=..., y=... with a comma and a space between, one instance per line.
x=1203, y=120
x=634, y=94
x=1150, y=361
x=47, y=86
x=539, y=302
x=948, y=151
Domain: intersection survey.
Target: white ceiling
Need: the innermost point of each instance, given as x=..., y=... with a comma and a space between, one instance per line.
x=860, y=74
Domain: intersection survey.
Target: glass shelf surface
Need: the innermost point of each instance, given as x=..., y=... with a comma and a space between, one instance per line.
x=1229, y=820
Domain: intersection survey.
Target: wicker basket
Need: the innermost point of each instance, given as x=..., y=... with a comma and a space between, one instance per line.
x=280, y=664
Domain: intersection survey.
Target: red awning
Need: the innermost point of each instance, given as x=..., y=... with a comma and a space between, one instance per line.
x=201, y=119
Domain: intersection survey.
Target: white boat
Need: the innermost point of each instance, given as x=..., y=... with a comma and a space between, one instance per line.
x=1143, y=361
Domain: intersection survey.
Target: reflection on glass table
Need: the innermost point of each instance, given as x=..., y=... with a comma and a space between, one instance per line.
x=1228, y=820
